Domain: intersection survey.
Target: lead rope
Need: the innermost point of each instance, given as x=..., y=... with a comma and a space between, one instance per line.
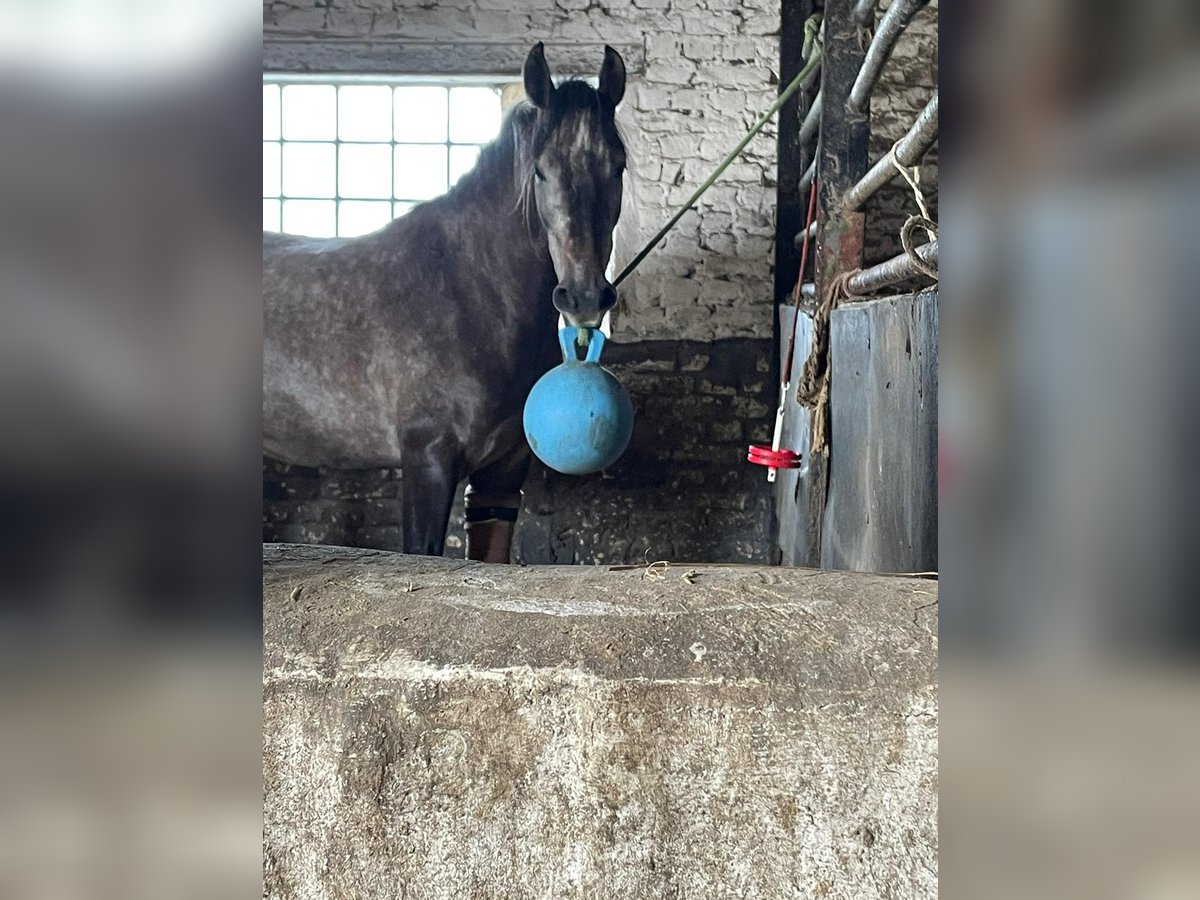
x=776, y=458
x=813, y=388
x=797, y=293
x=772, y=457
x=812, y=52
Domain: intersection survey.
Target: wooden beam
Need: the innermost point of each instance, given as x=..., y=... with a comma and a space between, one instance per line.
x=462, y=58
x=841, y=161
x=842, y=150
x=790, y=201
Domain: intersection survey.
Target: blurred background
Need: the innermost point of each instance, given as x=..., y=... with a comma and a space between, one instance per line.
x=1070, y=203
x=130, y=669
x=129, y=491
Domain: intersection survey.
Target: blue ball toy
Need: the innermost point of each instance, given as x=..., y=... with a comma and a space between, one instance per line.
x=578, y=418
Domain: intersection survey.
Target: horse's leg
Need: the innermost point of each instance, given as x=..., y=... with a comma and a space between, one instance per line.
x=493, y=500
x=430, y=475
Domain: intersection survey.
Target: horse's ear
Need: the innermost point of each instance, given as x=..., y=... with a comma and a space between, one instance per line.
x=538, y=86
x=612, y=76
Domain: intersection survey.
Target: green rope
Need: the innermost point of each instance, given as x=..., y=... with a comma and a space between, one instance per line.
x=812, y=51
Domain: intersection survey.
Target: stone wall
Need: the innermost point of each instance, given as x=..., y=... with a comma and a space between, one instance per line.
x=435, y=730
x=681, y=491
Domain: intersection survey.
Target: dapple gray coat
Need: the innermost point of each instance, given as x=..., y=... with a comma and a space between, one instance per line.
x=416, y=346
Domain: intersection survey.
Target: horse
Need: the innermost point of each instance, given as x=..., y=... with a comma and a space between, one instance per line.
x=415, y=346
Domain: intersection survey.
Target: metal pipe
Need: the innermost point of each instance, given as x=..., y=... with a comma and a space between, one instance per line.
x=897, y=269
x=864, y=12
x=806, y=178
x=799, y=239
x=812, y=120
x=891, y=26
x=909, y=150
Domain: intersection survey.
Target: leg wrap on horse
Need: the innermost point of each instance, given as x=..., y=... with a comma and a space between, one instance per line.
x=491, y=519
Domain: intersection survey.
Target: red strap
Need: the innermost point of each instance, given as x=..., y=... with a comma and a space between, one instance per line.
x=774, y=459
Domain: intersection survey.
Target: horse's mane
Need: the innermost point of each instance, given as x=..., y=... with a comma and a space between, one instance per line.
x=508, y=161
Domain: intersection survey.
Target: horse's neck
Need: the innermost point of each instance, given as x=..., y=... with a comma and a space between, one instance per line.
x=520, y=243
x=514, y=234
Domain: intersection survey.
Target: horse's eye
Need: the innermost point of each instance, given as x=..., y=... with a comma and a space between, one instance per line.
x=537, y=173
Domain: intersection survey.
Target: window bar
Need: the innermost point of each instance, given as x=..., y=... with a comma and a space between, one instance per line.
x=391, y=145
x=337, y=161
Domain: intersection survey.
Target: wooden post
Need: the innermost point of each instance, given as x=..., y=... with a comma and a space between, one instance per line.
x=789, y=203
x=882, y=505
x=842, y=152
x=841, y=161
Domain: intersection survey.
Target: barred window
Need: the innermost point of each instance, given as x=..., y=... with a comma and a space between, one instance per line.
x=344, y=155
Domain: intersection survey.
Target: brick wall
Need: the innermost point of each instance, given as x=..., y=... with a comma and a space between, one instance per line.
x=682, y=491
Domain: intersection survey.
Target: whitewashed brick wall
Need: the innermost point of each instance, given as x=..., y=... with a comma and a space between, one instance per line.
x=710, y=71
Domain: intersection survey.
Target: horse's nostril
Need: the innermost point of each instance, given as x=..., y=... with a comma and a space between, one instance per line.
x=608, y=298
x=564, y=300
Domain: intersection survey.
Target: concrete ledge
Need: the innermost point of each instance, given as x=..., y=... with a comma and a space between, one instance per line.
x=440, y=729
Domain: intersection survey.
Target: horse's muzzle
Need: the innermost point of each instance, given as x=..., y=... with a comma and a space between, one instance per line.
x=585, y=307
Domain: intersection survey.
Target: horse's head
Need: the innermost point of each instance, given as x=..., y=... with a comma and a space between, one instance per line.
x=578, y=161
